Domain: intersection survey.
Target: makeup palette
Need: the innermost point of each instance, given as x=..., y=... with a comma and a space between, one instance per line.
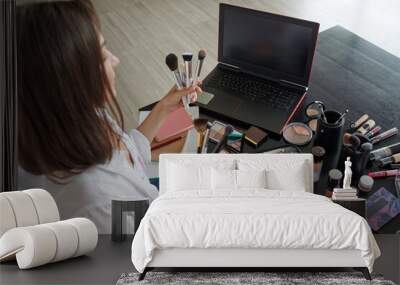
x=235, y=145
x=204, y=98
x=255, y=136
x=297, y=134
x=235, y=138
x=217, y=131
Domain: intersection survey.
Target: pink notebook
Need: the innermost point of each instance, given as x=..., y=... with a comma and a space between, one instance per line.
x=176, y=123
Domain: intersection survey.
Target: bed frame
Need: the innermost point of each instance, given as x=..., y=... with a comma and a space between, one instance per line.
x=249, y=259
x=242, y=259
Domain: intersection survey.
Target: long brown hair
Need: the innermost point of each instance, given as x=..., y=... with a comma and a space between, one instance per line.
x=63, y=90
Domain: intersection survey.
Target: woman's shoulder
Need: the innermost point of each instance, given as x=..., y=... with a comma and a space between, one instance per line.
x=95, y=177
x=114, y=178
x=111, y=181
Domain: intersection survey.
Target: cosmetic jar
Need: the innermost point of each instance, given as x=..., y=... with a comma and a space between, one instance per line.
x=334, y=177
x=318, y=152
x=365, y=183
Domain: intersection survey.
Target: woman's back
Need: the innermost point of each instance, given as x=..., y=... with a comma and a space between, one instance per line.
x=89, y=194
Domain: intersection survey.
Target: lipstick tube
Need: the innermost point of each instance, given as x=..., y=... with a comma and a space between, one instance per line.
x=360, y=121
x=383, y=174
x=373, y=132
x=385, y=151
x=384, y=135
x=366, y=127
x=389, y=160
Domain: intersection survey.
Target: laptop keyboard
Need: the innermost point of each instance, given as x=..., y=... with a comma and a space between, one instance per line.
x=254, y=90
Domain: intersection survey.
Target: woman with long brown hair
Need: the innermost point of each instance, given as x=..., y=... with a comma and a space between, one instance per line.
x=70, y=128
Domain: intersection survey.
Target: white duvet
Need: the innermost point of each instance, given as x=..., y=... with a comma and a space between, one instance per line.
x=250, y=219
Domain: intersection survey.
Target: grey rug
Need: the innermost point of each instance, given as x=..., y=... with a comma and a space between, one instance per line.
x=243, y=278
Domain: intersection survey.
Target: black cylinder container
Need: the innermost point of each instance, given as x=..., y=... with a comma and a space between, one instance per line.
x=329, y=133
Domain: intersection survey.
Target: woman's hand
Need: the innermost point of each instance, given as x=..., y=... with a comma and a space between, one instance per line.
x=173, y=99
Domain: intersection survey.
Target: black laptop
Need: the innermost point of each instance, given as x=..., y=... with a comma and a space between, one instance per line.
x=264, y=67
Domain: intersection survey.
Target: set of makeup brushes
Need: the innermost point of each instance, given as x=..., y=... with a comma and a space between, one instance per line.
x=186, y=77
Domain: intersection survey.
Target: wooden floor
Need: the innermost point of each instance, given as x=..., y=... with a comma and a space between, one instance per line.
x=142, y=32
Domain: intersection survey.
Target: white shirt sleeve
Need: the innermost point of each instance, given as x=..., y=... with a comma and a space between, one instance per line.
x=142, y=143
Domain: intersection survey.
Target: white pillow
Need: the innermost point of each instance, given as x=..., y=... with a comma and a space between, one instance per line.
x=223, y=179
x=293, y=180
x=226, y=179
x=183, y=177
x=184, y=174
x=251, y=178
x=282, y=174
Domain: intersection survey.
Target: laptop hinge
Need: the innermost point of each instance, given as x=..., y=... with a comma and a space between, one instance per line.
x=292, y=84
x=229, y=66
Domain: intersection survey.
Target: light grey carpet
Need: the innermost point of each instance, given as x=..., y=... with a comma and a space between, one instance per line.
x=243, y=278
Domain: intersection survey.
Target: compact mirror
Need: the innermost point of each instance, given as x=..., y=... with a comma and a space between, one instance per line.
x=314, y=109
x=297, y=134
x=313, y=113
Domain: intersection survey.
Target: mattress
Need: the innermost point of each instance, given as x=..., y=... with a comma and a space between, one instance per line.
x=250, y=219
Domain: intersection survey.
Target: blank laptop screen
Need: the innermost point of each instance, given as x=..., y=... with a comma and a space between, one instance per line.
x=267, y=43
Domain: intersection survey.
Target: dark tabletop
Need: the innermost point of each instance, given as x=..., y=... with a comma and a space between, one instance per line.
x=348, y=73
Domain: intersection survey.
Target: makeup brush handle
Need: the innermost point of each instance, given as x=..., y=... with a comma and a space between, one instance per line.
x=224, y=139
x=178, y=79
x=220, y=145
x=205, y=142
x=193, y=82
x=338, y=120
x=187, y=75
x=196, y=74
x=200, y=139
x=185, y=102
x=179, y=85
x=186, y=99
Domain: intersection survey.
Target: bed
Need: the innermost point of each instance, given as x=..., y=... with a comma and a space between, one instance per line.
x=246, y=211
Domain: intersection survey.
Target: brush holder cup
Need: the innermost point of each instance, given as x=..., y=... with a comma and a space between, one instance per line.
x=329, y=132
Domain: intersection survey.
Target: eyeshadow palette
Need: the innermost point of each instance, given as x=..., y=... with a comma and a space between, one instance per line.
x=382, y=206
x=255, y=136
x=234, y=144
x=217, y=131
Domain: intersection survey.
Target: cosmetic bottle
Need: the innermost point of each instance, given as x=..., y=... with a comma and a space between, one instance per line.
x=385, y=135
x=389, y=160
x=385, y=151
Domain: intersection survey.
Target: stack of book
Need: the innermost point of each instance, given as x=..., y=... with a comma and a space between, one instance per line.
x=344, y=194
